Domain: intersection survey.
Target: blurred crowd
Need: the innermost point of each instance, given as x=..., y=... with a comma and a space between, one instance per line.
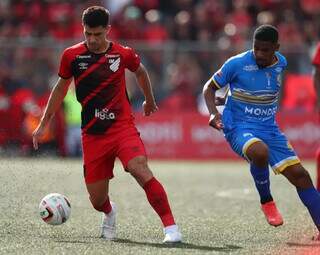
x=182, y=42
x=159, y=21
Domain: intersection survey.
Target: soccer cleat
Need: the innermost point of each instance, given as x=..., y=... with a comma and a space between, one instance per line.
x=108, y=226
x=172, y=234
x=272, y=214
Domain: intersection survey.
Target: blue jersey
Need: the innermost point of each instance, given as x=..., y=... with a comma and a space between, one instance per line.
x=253, y=100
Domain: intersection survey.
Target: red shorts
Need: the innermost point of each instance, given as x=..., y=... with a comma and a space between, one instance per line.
x=100, y=152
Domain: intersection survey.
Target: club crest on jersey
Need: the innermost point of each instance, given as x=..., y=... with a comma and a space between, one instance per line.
x=114, y=64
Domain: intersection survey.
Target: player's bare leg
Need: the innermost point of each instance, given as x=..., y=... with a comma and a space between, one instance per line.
x=99, y=198
x=298, y=176
x=309, y=196
x=258, y=154
x=156, y=195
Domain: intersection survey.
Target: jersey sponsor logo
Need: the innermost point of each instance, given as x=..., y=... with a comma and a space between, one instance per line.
x=83, y=56
x=83, y=66
x=115, y=63
x=104, y=114
x=112, y=55
x=250, y=68
x=261, y=112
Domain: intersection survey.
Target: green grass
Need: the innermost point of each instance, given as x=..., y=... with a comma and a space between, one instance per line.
x=214, y=203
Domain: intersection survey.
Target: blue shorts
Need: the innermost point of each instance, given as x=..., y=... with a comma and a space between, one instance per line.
x=281, y=153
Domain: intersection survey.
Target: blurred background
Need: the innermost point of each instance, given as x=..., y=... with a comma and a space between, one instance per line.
x=181, y=42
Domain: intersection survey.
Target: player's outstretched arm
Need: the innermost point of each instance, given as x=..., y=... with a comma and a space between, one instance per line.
x=209, y=94
x=149, y=105
x=56, y=97
x=316, y=80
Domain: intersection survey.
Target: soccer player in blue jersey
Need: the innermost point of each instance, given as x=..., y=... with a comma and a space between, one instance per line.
x=248, y=121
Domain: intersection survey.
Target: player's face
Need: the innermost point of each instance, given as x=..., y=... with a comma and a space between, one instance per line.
x=96, y=37
x=264, y=52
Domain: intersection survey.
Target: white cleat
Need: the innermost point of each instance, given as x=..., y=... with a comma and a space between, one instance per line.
x=172, y=234
x=108, y=226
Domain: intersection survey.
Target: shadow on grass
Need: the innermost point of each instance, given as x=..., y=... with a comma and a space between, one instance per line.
x=72, y=241
x=188, y=246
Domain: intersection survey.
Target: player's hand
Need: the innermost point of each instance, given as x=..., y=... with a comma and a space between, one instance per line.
x=215, y=121
x=149, y=107
x=37, y=133
x=219, y=101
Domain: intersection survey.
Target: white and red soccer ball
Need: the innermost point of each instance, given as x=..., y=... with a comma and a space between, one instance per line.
x=54, y=209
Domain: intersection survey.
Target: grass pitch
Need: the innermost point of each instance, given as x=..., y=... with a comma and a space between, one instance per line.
x=215, y=205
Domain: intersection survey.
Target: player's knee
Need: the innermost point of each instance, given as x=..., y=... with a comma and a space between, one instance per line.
x=139, y=169
x=137, y=164
x=261, y=156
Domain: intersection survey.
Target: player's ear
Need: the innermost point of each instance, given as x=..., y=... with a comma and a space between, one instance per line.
x=277, y=47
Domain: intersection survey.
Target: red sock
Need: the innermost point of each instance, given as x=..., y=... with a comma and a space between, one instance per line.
x=106, y=207
x=318, y=168
x=157, y=198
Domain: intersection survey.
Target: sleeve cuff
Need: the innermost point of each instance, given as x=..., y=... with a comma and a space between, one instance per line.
x=216, y=83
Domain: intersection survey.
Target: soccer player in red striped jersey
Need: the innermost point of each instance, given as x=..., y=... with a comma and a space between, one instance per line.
x=316, y=81
x=97, y=66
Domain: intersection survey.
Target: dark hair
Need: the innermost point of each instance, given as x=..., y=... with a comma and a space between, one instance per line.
x=95, y=16
x=266, y=33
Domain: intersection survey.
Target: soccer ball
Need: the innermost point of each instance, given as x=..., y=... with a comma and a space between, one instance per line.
x=54, y=209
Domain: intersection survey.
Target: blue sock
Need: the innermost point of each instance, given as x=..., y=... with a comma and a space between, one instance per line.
x=262, y=182
x=310, y=197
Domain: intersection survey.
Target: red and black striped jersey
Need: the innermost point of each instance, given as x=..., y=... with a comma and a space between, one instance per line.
x=100, y=84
